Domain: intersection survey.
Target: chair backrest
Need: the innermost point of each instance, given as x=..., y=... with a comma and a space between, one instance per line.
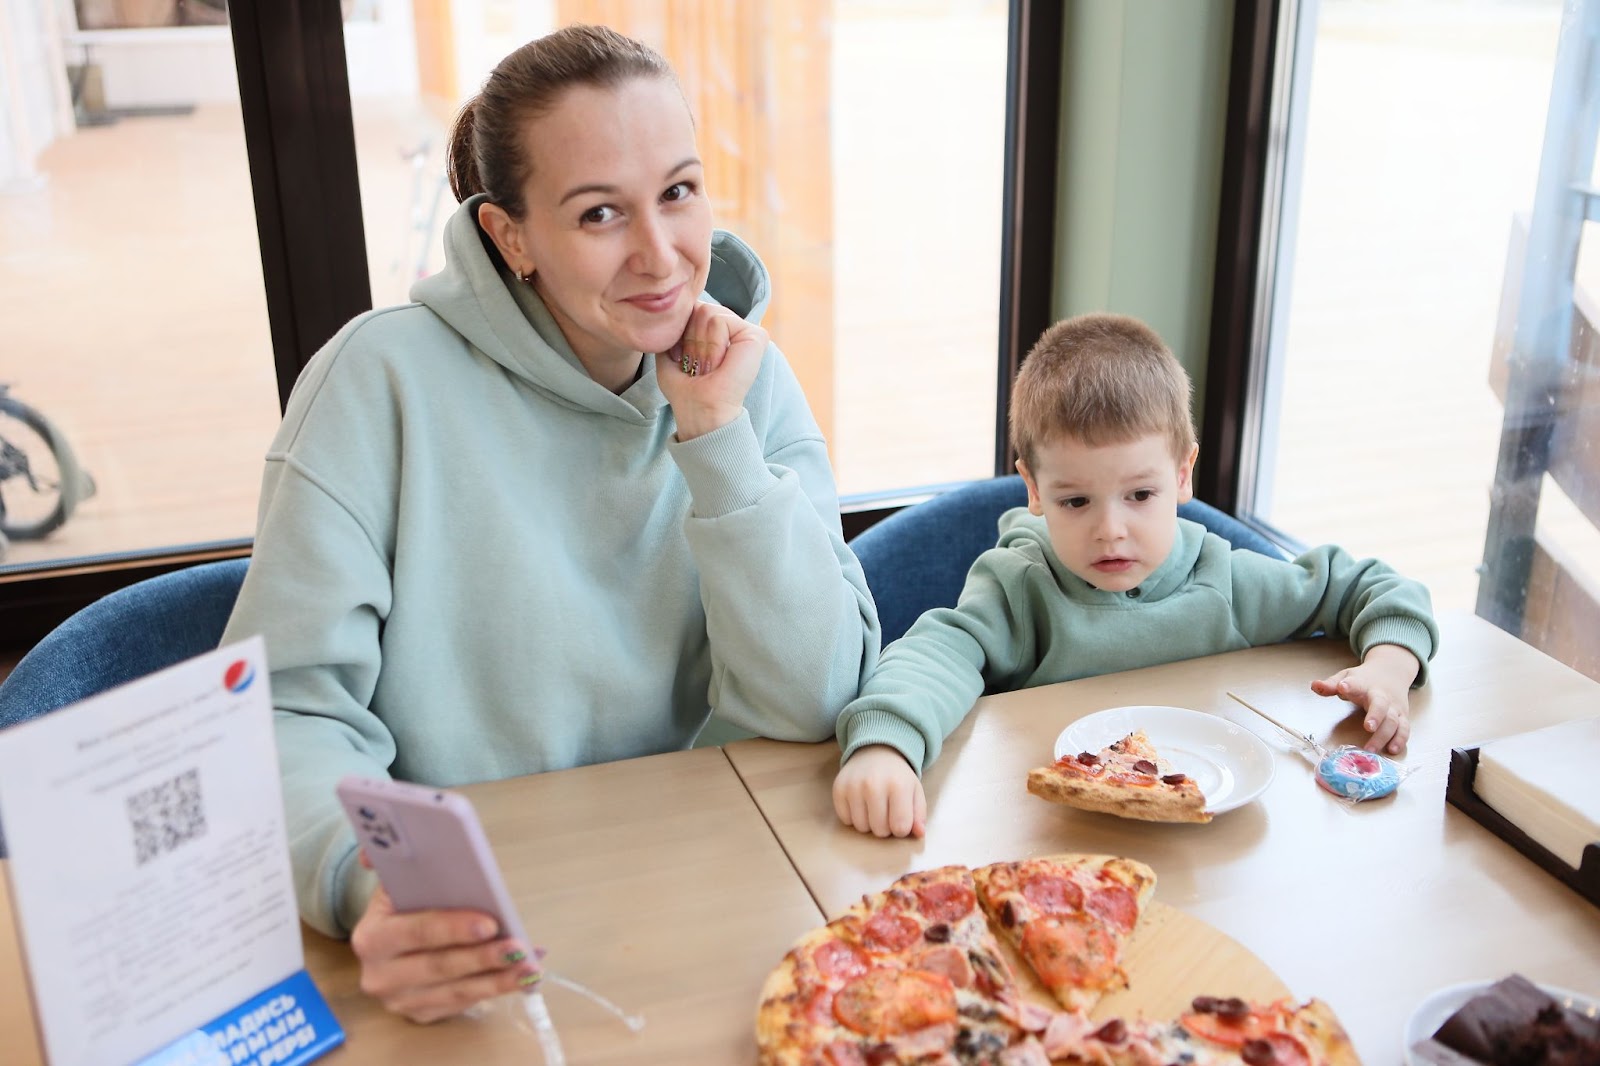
x=126, y=635
x=918, y=558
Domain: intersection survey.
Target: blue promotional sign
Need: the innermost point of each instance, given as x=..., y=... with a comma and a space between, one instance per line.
x=286, y=1025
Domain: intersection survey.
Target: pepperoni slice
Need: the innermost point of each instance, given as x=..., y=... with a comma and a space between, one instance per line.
x=837, y=958
x=1053, y=895
x=889, y=932
x=887, y=1002
x=945, y=902
x=818, y=1006
x=1069, y=952
x=1117, y=905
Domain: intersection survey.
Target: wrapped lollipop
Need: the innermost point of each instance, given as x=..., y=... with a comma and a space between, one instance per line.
x=1351, y=773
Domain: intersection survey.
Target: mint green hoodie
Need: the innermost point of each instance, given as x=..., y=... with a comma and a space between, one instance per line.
x=473, y=561
x=1024, y=619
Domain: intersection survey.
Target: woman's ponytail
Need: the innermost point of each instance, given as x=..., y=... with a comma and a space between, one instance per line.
x=462, y=163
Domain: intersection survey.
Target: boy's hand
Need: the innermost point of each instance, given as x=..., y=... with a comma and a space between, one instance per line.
x=1381, y=686
x=879, y=793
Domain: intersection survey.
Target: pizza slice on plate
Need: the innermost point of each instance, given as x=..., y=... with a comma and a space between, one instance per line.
x=1069, y=917
x=1126, y=778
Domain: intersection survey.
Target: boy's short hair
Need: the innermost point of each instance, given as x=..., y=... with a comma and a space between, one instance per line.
x=1100, y=379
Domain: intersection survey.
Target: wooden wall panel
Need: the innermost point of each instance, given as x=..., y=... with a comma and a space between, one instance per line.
x=757, y=74
x=436, y=51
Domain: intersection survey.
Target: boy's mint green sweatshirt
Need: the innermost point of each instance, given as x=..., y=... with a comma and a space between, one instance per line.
x=473, y=561
x=1024, y=619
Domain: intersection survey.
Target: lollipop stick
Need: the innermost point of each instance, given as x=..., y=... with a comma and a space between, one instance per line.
x=1298, y=736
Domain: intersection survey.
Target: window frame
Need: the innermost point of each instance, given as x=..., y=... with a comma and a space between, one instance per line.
x=300, y=141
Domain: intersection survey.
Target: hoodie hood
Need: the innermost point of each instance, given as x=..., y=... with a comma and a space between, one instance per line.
x=478, y=297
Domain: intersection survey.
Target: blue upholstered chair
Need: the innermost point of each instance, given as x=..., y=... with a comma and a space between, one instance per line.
x=918, y=558
x=126, y=635
x=122, y=637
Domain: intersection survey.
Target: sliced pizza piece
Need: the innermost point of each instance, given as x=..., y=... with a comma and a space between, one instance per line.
x=1230, y=1032
x=1069, y=917
x=1216, y=1032
x=907, y=973
x=1126, y=779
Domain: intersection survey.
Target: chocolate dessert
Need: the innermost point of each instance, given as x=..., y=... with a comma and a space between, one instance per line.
x=1513, y=1023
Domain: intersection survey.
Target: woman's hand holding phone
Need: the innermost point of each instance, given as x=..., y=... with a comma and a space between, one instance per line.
x=723, y=354
x=431, y=965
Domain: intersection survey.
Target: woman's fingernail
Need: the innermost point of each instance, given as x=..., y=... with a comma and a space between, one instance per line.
x=483, y=930
x=515, y=956
x=1372, y=723
x=529, y=980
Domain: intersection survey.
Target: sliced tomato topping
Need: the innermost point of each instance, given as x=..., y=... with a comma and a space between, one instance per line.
x=945, y=902
x=887, y=1002
x=890, y=932
x=1051, y=894
x=1227, y=1031
x=838, y=958
x=1069, y=952
x=1117, y=905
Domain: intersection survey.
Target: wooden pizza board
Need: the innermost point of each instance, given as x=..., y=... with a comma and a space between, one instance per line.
x=1171, y=959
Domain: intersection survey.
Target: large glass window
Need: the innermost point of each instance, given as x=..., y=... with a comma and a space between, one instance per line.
x=1415, y=154
x=858, y=145
x=133, y=329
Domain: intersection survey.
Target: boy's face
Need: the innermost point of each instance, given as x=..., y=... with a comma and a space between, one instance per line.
x=1112, y=511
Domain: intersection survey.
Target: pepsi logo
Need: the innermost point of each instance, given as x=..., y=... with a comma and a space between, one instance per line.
x=238, y=676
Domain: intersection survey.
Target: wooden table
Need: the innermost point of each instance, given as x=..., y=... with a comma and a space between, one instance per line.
x=1369, y=907
x=659, y=882
x=654, y=882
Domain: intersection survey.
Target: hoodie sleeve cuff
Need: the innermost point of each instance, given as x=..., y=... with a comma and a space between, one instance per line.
x=1412, y=634
x=353, y=888
x=884, y=727
x=725, y=469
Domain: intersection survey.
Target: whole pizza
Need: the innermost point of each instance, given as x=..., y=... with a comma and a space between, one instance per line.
x=915, y=974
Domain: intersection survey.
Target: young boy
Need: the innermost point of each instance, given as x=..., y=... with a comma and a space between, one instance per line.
x=1099, y=575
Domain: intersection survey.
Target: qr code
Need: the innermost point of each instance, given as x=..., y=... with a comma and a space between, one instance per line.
x=166, y=815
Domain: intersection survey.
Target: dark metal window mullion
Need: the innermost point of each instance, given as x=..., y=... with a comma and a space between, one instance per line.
x=1228, y=443
x=294, y=90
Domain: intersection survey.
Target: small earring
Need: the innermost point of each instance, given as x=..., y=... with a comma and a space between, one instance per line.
x=526, y=279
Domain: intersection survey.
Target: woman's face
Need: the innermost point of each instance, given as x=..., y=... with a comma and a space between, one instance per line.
x=617, y=228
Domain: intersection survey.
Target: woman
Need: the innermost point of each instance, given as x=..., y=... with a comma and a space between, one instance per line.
x=498, y=537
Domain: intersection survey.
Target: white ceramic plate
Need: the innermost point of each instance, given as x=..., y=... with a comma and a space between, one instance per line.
x=1231, y=765
x=1431, y=1012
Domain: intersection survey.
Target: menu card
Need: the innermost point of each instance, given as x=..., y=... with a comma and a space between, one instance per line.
x=150, y=878
x=1543, y=782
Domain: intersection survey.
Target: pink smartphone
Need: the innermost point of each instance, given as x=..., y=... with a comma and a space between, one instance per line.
x=428, y=849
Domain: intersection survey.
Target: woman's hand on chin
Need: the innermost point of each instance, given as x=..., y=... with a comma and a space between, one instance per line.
x=722, y=353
